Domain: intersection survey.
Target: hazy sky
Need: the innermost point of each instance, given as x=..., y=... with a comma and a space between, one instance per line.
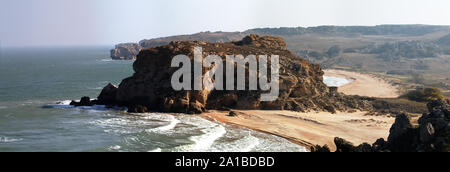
x=107, y=22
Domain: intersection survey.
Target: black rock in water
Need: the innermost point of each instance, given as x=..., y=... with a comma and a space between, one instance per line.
x=85, y=101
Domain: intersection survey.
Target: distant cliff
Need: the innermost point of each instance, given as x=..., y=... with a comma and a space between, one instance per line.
x=129, y=51
x=296, y=37
x=126, y=51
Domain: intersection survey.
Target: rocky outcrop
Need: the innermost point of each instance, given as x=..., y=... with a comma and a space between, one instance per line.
x=84, y=101
x=151, y=86
x=108, y=94
x=431, y=135
x=263, y=42
x=127, y=51
x=301, y=83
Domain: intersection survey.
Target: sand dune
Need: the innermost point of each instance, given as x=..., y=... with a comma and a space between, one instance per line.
x=365, y=85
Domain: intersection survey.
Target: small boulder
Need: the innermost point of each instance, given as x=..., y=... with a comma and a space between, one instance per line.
x=232, y=114
x=85, y=101
x=379, y=145
x=426, y=132
x=318, y=148
x=137, y=109
x=196, y=108
x=365, y=147
x=343, y=145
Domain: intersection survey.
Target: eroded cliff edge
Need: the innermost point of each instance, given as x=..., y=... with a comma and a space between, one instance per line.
x=149, y=89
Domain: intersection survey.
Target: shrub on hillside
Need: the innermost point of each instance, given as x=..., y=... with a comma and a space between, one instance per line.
x=424, y=95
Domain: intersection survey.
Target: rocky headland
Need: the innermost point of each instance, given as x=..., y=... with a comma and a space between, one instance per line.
x=126, y=51
x=149, y=89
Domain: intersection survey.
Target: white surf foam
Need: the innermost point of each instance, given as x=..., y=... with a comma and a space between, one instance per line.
x=106, y=60
x=116, y=147
x=203, y=142
x=246, y=144
x=9, y=140
x=172, y=124
x=60, y=105
x=66, y=105
x=272, y=143
x=125, y=125
x=332, y=81
x=156, y=150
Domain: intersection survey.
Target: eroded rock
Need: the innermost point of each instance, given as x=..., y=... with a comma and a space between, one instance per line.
x=404, y=137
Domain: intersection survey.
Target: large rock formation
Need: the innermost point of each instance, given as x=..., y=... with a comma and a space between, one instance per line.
x=431, y=135
x=127, y=51
x=301, y=83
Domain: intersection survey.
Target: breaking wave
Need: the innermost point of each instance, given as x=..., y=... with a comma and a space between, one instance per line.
x=9, y=140
x=159, y=132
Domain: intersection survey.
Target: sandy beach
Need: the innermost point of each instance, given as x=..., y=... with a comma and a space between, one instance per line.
x=313, y=128
x=365, y=85
x=321, y=128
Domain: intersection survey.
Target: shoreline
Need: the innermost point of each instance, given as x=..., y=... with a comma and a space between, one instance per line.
x=364, y=85
x=309, y=129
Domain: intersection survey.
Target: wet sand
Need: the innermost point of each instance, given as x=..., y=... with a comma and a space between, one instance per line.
x=313, y=128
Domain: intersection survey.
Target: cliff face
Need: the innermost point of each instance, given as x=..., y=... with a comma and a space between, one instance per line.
x=150, y=86
x=149, y=89
x=126, y=51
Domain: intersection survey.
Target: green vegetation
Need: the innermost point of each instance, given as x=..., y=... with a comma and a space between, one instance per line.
x=334, y=51
x=424, y=95
x=399, y=105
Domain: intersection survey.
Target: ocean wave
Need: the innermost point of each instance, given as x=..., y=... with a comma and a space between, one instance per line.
x=66, y=105
x=170, y=126
x=246, y=144
x=106, y=60
x=272, y=143
x=60, y=105
x=156, y=150
x=203, y=142
x=95, y=88
x=115, y=148
x=3, y=107
x=9, y=140
x=125, y=125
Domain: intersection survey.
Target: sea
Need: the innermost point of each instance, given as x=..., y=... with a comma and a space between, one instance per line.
x=37, y=84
